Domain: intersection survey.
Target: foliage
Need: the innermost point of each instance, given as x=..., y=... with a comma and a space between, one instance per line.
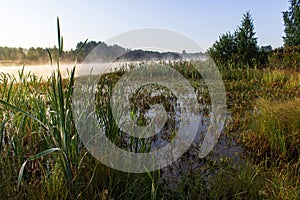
x=239, y=49
x=224, y=51
x=43, y=176
x=41, y=154
x=292, y=24
x=105, y=53
x=39, y=55
x=39, y=143
x=247, y=50
x=7, y=53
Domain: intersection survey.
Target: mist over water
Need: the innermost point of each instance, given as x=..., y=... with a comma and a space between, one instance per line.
x=45, y=71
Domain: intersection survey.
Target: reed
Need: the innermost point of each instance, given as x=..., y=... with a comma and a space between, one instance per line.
x=42, y=156
x=41, y=153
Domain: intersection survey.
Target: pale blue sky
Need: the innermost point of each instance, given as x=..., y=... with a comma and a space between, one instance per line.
x=33, y=22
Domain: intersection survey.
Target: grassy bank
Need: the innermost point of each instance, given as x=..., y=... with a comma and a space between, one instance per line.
x=265, y=110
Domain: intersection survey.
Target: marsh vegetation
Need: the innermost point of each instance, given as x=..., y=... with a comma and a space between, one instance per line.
x=263, y=105
x=257, y=155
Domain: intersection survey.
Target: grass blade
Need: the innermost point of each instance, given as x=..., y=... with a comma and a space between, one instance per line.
x=79, y=50
x=59, y=37
x=43, y=153
x=24, y=112
x=50, y=56
x=2, y=132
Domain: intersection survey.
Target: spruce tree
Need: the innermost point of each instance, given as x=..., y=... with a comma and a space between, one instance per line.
x=247, y=49
x=291, y=20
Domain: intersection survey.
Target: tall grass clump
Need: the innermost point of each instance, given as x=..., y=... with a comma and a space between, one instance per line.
x=21, y=131
x=275, y=130
x=285, y=58
x=288, y=79
x=37, y=122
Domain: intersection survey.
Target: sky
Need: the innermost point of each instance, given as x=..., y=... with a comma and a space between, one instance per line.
x=32, y=23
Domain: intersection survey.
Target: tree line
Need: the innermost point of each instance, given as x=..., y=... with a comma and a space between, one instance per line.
x=40, y=55
x=240, y=49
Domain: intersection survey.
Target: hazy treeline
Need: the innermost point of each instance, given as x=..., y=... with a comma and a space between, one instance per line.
x=40, y=55
x=103, y=53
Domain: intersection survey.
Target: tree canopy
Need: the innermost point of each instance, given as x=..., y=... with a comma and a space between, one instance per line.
x=291, y=20
x=247, y=49
x=40, y=56
x=238, y=49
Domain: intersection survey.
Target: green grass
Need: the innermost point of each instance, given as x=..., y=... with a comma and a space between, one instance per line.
x=276, y=125
x=265, y=110
x=37, y=129
x=42, y=156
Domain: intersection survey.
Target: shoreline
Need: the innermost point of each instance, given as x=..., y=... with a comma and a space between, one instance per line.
x=30, y=64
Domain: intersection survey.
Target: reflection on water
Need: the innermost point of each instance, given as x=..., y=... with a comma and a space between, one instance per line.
x=190, y=163
x=140, y=110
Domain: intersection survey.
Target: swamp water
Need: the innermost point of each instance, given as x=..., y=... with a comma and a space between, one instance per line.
x=142, y=113
x=143, y=106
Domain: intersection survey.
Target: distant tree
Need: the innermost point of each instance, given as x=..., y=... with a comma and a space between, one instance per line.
x=247, y=48
x=104, y=52
x=88, y=47
x=37, y=54
x=291, y=20
x=31, y=54
x=224, y=50
x=263, y=55
x=20, y=55
x=239, y=49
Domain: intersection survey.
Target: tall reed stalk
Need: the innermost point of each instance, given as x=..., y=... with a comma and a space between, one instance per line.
x=52, y=113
